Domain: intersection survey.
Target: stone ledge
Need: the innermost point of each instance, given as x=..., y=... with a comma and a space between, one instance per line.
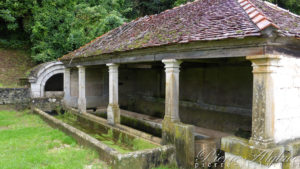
x=293, y=148
x=241, y=147
x=148, y=158
x=236, y=162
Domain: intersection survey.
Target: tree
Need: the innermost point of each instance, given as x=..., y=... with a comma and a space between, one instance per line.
x=292, y=5
x=54, y=28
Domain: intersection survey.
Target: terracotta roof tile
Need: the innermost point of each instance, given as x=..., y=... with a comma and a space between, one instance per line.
x=288, y=23
x=202, y=20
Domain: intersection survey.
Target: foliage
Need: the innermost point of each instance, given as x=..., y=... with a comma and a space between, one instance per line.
x=292, y=5
x=54, y=28
x=28, y=142
x=179, y=2
x=59, y=28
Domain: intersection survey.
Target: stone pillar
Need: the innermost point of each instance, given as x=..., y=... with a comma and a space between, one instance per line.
x=113, y=110
x=81, y=88
x=172, y=100
x=67, y=85
x=265, y=68
x=172, y=90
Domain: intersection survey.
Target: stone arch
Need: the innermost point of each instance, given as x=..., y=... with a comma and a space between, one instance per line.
x=41, y=74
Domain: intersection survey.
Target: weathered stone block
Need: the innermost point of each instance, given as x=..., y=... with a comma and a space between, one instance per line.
x=205, y=152
x=241, y=148
x=20, y=97
x=113, y=114
x=236, y=162
x=185, y=145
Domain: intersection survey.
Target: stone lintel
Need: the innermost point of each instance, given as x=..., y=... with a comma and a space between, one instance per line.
x=241, y=148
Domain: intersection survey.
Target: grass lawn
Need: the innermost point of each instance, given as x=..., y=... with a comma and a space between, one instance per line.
x=26, y=141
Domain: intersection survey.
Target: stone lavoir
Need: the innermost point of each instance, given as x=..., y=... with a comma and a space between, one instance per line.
x=225, y=72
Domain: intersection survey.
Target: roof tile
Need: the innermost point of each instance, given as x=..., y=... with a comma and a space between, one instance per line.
x=202, y=20
x=258, y=18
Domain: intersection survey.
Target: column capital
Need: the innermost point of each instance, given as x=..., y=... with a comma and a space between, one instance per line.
x=80, y=67
x=112, y=65
x=264, y=63
x=172, y=63
x=113, y=68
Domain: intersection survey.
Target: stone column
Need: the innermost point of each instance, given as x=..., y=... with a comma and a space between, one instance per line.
x=81, y=88
x=172, y=90
x=67, y=85
x=113, y=110
x=171, y=100
x=265, y=68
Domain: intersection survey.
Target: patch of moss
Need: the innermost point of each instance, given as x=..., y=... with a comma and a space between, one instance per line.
x=119, y=141
x=140, y=125
x=239, y=31
x=140, y=144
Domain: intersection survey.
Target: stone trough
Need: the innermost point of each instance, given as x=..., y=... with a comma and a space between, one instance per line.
x=137, y=159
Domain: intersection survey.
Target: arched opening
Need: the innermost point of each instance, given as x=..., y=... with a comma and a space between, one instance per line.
x=55, y=83
x=54, y=86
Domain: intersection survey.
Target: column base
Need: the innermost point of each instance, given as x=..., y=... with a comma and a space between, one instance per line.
x=82, y=105
x=262, y=143
x=182, y=136
x=66, y=101
x=167, y=132
x=113, y=114
x=185, y=145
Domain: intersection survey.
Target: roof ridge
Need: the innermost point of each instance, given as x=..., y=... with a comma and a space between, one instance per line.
x=275, y=6
x=256, y=15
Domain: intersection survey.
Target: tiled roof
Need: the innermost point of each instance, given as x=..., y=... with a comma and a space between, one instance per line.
x=287, y=22
x=202, y=20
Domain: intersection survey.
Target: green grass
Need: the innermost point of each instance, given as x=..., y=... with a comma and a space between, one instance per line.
x=27, y=142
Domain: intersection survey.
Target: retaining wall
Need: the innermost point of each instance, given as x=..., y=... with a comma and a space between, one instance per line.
x=14, y=96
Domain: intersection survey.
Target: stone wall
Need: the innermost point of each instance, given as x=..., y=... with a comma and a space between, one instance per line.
x=47, y=104
x=214, y=91
x=287, y=99
x=210, y=93
x=96, y=87
x=14, y=96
